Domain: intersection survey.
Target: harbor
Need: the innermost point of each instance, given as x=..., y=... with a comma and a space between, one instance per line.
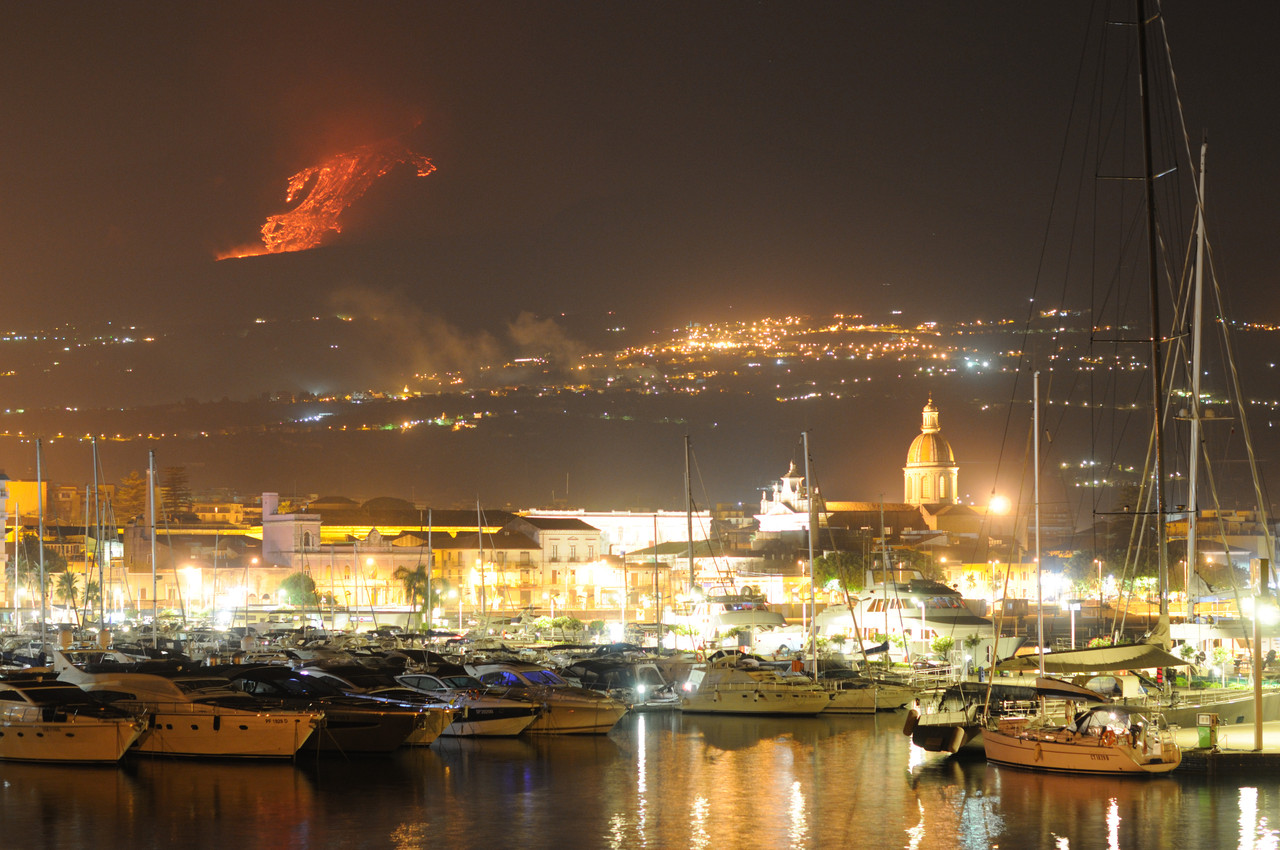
x=742, y=781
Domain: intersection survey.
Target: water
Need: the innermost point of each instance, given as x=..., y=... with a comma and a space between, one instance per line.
x=659, y=781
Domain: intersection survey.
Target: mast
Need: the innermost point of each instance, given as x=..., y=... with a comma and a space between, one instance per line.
x=1193, y=468
x=480, y=543
x=1153, y=280
x=688, y=509
x=1035, y=418
x=884, y=563
x=151, y=502
x=813, y=594
x=97, y=543
x=431, y=562
x=44, y=601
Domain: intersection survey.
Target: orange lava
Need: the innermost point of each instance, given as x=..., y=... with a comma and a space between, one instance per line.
x=325, y=191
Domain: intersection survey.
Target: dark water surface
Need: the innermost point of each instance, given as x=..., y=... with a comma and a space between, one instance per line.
x=659, y=780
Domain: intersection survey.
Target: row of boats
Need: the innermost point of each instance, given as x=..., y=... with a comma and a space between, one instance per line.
x=96, y=705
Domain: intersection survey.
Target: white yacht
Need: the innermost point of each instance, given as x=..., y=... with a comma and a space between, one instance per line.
x=731, y=683
x=565, y=709
x=190, y=713
x=42, y=719
x=479, y=713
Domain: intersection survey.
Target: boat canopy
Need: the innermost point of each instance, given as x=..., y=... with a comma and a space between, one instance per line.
x=1136, y=656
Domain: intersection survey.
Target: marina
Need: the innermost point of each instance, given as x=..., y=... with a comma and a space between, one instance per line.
x=792, y=782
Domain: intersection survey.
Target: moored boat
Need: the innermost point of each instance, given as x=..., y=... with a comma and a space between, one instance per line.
x=1105, y=739
x=736, y=684
x=43, y=719
x=193, y=713
x=566, y=710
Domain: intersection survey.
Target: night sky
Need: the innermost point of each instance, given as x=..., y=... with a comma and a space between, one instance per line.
x=682, y=161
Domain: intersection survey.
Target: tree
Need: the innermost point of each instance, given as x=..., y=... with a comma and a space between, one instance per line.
x=67, y=588
x=175, y=491
x=131, y=497
x=415, y=580
x=92, y=596
x=848, y=568
x=299, y=589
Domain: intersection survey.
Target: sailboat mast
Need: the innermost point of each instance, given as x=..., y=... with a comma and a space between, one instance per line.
x=97, y=543
x=813, y=594
x=480, y=543
x=431, y=564
x=44, y=601
x=1153, y=280
x=1035, y=418
x=688, y=508
x=1197, y=313
x=151, y=503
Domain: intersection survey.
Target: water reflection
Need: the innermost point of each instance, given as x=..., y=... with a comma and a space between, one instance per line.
x=657, y=781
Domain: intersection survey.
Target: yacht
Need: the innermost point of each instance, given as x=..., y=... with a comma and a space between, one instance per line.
x=566, y=710
x=1104, y=739
x=479, y=713
x=190, y=713
x=43, y=719
x=733, y=683
x=854, y=692
x=354, y=723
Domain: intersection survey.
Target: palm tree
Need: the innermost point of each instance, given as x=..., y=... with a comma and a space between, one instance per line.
x=67, y=587
x=92, y=595
x=415, y=581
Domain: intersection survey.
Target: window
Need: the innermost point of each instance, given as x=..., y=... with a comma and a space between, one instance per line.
x=591, y=553
x=573, y=553
x=555, y=551
x=524, y=558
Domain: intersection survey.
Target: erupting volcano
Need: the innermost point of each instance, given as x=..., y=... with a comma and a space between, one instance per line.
x=326, y=190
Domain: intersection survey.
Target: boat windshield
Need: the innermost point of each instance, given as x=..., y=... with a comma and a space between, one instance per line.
x=462, y=682
x=199, y=686
x=48, y=695
x=545, y=677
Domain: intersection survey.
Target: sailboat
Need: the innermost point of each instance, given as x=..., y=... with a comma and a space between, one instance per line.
x=1109, y=738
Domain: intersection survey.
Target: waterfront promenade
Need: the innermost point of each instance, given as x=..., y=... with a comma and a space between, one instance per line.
x=1235, y=752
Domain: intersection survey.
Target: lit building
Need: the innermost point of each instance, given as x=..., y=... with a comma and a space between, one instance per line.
x=931, y=476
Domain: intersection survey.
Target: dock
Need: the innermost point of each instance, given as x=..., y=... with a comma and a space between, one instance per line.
x=1235, y=753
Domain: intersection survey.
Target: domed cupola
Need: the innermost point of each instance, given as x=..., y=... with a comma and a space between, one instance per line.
x=931, y=475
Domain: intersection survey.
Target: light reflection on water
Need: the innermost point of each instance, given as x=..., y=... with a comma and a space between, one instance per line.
x=658, y=781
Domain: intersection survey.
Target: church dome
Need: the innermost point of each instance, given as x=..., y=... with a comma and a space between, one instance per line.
x=930, y=476
x=930, y=449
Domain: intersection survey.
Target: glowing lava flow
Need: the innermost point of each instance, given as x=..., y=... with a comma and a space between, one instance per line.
x=333, y=186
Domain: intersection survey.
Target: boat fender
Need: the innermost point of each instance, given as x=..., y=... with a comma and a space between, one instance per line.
x=913, y=717
x=957, y=740
x=1108, y=738
x=1039, y=756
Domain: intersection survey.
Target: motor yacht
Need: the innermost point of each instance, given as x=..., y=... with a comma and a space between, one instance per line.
x=191, y=712
x=480, y=713
x=43, y=719
x=566, y=710
x=733, y=683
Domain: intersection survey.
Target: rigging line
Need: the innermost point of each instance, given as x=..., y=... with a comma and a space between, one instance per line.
x=1244, y=421
x=713, y=552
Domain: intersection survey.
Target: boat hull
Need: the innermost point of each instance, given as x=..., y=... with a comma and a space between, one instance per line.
x=483, y=721
x=577, y=718
x=72, y=742
x=1080, y=755
x=180, y=731
x=790, y=701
